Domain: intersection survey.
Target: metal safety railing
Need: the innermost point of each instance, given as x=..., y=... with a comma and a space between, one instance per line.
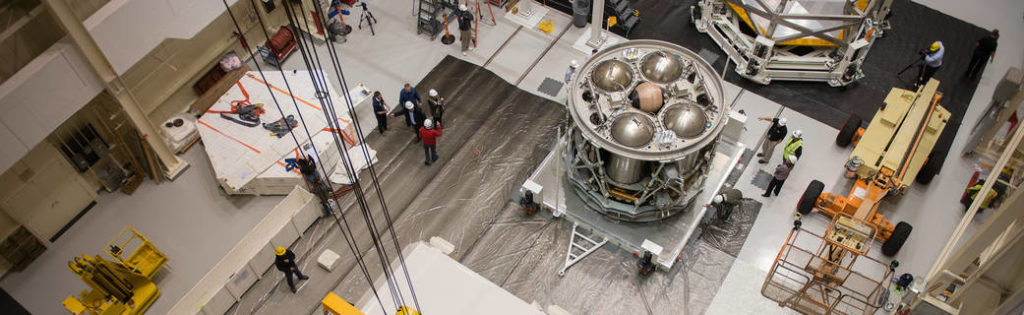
x=807, y=281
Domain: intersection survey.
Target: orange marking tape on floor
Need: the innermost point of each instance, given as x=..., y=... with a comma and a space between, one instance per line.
x=283, y=91
x=229, y=136
x=344, y=135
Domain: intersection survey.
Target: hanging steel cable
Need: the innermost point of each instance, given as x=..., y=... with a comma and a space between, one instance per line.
x=345, y=229
x=311, y=59
x=373, y=173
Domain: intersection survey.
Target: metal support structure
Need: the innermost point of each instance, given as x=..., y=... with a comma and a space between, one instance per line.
x=1008, y=97
x=114, y=84
x=984, y=269
x=597, y=37
x=786, y=40
x=580, y=246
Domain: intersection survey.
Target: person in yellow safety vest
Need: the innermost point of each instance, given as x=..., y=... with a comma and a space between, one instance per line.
x=795, y=145
x=972, y=192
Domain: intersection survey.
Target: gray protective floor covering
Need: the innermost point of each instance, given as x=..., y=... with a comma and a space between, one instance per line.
x=496, y=135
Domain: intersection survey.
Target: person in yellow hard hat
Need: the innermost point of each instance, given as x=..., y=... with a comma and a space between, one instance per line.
x=285, y=262
x=932, y=62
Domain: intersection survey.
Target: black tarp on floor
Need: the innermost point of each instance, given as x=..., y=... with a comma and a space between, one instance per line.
x=496, y=135
x=914, y=27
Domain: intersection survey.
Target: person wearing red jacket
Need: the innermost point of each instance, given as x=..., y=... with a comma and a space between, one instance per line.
x=429, y=136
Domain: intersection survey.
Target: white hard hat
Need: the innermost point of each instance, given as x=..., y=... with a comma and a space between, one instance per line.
x=792, y=159
x=433, y=93
x=574, y=64
x=782, y=121
x=717, y=199
x=428, y=123
x=798, y=134
x=462, y=7
x=408, y=105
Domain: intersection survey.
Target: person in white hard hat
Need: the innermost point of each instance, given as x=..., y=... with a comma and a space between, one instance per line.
x=794, y=147
x=429, y=133
x=725, y=202
x=413, y=117
x=573, y=65
x=436, y=103
x=779, y=177
x=776, y=133
x=465, y=19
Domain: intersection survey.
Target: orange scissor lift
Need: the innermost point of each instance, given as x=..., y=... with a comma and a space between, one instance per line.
x=887, y=157
x=831, y=273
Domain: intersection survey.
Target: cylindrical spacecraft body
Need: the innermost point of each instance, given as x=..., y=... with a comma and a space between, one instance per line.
x=645, y=117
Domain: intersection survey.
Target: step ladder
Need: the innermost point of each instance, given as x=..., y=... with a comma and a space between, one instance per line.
x=580, y=246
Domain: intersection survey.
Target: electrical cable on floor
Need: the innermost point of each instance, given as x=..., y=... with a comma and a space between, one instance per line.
x=373, y=174
x=309, y=53
x=352, y=245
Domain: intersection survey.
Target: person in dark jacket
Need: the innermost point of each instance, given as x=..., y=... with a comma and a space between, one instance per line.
x=429, y=135
x=776, y=133
x=409, y=94
x=984, y=50
x=285, y=262
x=413, y=117
x=436, y=103
x=465, y=27
x=380, y=110
x=780, y=176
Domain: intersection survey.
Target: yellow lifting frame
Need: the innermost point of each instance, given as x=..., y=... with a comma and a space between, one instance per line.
x=144, y=259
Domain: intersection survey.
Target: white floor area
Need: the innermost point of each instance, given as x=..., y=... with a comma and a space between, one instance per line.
x=195, y=224
x=190, y=220
x=446, y=287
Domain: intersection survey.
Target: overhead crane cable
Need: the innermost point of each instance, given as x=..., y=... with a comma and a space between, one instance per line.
x=346, y=160
x=319, y=81
x=333, y=115
x=353, y=246
x=375, y=180
x=333, y=120
x=373, y=174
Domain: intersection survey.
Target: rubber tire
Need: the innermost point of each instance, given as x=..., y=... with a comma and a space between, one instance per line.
x=810, y=197
x=927, y=172
x=849, y=129
x=896, y=240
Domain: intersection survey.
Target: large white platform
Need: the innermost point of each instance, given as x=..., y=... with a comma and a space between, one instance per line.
x=443, y=286
x=249, y=160
x=671, y=234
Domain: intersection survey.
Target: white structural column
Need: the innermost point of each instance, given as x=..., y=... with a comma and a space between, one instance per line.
x=115, y=85
x=596, y=37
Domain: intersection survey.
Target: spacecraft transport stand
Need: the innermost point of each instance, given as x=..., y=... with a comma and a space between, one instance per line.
x=794, y=40
x=673, y=234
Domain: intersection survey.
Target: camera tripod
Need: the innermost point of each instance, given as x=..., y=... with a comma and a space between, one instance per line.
x=919, y=63
x=367, y=16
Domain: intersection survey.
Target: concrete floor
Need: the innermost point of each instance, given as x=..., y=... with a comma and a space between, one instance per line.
x=190, y=220
x=397, y=55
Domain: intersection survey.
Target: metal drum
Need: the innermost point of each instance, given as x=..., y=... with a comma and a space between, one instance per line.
x=647, y=161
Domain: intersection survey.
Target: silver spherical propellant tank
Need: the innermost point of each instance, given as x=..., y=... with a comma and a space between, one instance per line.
x=646, y=116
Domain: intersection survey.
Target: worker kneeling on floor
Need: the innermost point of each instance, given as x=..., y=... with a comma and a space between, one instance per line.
x=429, y=134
